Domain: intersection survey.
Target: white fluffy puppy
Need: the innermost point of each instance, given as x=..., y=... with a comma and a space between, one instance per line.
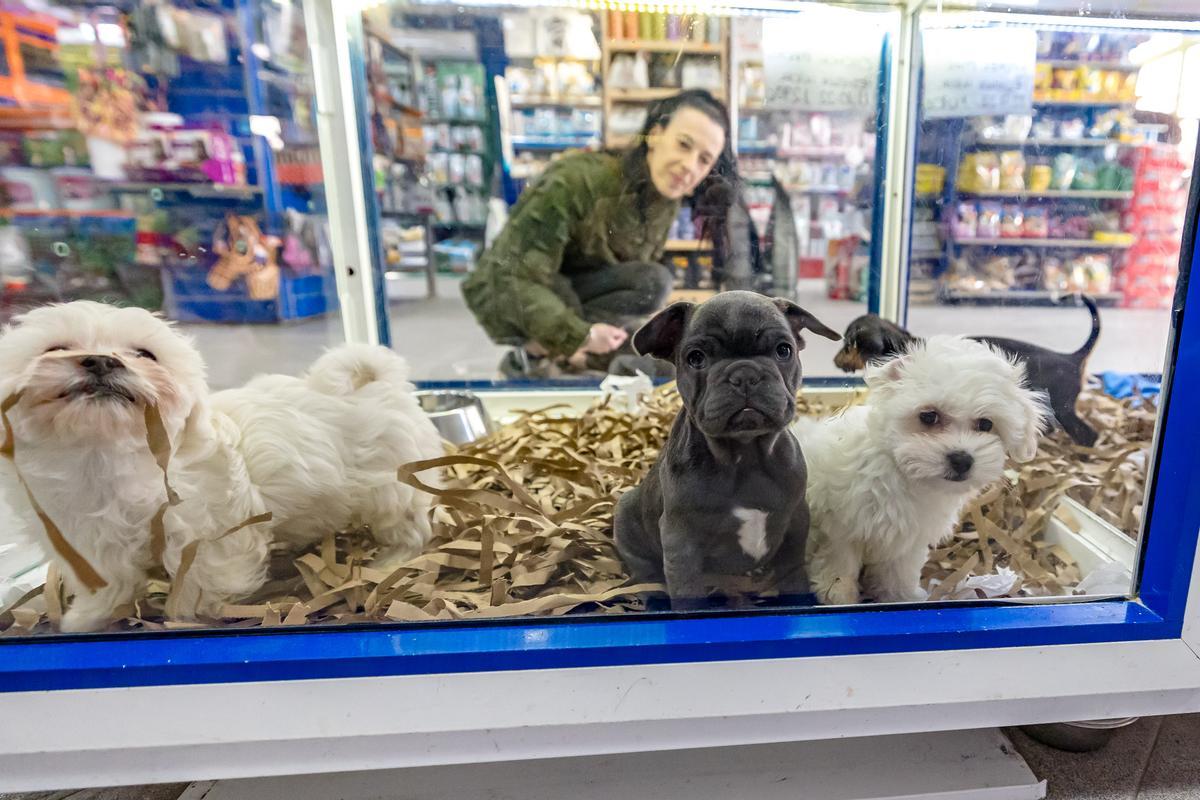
x=319, y=452
x=889, y=479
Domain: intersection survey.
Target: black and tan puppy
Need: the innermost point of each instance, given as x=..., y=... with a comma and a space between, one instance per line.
x=726, y=495
x=1060, y=375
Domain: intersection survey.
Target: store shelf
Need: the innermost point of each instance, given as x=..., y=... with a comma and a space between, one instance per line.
x=650, y=95
x=686, y=246
x=202, y=190
x=454, y=120
x=756, y=149
x=1069, y=63
x=534, y=101
x=385, y=39
x=66, y=213
x=1076, y=194
x=452, y=224
x=451, y=151
x=1051, y=143
x=566, y=58
x=663, y=46
x=46, y=118
x=553, y=142
x=1028, y=297
x=1081, y=244
x=804, y=151
x=795, y=189
x=1082, y=103
x=416, y=217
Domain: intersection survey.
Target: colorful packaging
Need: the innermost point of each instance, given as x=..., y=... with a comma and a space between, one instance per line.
x=989, y=221
x=1012, y=171
x=1036, y=224
x=966, y=221
x=1012, y=221
x=1085, y=179
x=1064, y=171
x=1054, y=276
x=1039, y=178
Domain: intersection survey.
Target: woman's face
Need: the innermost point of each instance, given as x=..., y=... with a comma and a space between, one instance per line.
x=682, y=154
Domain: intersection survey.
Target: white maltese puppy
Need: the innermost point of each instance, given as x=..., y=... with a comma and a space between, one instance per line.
x=887, y=480
x=320, y=453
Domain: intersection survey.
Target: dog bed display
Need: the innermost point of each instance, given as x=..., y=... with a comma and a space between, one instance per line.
x=524, y=528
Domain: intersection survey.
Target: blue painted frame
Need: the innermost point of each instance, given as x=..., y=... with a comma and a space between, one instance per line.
x=143, y=659
x=140, y=659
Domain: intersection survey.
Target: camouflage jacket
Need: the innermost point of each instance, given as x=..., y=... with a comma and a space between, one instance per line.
x=580, y=215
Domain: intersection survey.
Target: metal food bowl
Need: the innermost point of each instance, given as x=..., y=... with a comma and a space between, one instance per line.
x=1077, y=737
x=458, y=416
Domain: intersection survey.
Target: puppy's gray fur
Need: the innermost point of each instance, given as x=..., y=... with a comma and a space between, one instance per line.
x=726, y=495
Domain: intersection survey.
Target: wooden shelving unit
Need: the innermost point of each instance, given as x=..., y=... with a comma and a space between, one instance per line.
x=681, y=47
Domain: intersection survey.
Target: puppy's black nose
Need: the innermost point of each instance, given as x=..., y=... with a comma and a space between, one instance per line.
x=745, y=377
x=960, y=463
x=101, y=365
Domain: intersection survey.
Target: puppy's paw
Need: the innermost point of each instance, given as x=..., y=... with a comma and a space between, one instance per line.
x=841, y=591
x=909, y=594
x=392, y=558
x=84, y=619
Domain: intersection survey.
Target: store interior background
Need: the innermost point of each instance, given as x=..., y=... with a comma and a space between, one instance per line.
x=196, y=111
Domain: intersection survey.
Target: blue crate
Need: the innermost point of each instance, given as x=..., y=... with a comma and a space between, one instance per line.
x=187, y=297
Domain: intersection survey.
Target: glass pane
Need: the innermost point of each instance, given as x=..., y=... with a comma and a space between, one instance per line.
x=470, y=108
x=539, y=174
x=1049, y=205
x=163, y=158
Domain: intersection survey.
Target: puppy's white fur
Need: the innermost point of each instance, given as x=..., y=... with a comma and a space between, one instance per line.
x=319, y=452
x=880, y=485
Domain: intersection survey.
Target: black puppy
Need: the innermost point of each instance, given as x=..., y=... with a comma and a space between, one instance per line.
x=726, y=495
x=1059, y=375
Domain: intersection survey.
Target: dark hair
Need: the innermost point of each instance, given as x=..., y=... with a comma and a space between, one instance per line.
x=719, y=190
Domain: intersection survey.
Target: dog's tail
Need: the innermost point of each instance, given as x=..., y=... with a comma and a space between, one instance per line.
x=1082, y=353
x=344, y=370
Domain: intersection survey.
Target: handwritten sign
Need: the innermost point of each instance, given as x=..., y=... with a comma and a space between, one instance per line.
x=812, y=66
x=971, y=72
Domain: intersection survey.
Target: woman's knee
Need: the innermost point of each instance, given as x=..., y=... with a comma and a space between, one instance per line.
x=659, y=281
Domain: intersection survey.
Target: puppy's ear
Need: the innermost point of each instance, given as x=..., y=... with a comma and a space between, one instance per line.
x=660, y=336
x=197, y=434
x=1030, y=418
x=881, y=373
x=799, y=319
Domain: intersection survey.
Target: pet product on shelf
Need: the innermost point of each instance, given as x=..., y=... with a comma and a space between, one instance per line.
x=245, y=252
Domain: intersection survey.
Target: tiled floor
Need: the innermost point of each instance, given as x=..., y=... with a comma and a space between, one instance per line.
x=442, y=341
x=1156, y=758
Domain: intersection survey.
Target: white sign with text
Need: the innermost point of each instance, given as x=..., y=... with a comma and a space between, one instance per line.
x=811, y=66
x=975, y=72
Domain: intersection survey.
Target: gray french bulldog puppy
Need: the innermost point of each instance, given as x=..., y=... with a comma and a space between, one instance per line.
x=726, y=494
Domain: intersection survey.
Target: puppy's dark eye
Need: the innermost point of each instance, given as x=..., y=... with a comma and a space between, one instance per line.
x=696, y=359
x=144, y=353
x=984, y=425
x=56, y=348
x=784, y=351
x=928, y=417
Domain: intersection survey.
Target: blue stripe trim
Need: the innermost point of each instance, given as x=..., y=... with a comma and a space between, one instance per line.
x=147, y=659
x=883, y=134
x=1173, y=511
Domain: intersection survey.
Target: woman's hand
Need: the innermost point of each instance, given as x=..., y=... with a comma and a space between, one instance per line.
x=602, y=338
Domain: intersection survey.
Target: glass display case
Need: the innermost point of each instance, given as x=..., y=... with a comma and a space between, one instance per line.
x=560, y=218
